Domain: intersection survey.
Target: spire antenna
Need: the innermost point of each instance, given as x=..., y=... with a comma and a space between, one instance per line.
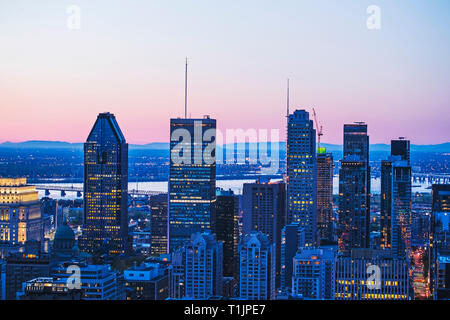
x=185, y=88
x=287, y=103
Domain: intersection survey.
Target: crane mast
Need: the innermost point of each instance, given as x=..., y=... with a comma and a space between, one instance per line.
x=319, y=129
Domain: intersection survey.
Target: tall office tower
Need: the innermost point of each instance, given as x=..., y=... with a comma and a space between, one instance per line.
x=192, y=180
x=264, y=210
x=226, y=229
x=105, y=225
x=159, y=224
x=20, y=212
x=367, y=274
x=292, y=238
x=302, y=174
x=354, y=189
x=314, y=274
x=325, y=195
x=98, y=282
x=203, y=258
x=256, y=267
x=439, y=249
x=396, y=191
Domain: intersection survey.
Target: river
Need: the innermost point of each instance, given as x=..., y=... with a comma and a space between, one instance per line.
x=235, y=185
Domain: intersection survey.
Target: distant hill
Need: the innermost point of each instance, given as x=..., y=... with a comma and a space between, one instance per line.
x=162, y=146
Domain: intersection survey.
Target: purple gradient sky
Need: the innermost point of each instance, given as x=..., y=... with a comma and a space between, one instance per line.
x=129, y=60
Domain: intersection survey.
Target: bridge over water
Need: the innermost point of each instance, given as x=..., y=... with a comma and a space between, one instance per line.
x=431, y=178
x=79, y=190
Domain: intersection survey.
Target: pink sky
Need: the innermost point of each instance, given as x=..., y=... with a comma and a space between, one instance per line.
x=130, y=61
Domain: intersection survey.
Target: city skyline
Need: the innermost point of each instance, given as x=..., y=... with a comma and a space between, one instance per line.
x=385, y=77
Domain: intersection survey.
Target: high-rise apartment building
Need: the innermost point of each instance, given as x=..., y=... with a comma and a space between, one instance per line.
x=203, y=260
x=256, y=267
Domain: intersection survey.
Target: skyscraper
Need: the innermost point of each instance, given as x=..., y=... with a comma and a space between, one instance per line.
x=192, y=180
x=226, y=229
x=354, y=189
x=20, y=212
x=292, y=238
x=325, y=195
x=396, y=199
x=439, y=248
x=256, y=267
x=105, y=223
x=159, y=224
x=264, y=211
x=302, y=174
x=203, y=258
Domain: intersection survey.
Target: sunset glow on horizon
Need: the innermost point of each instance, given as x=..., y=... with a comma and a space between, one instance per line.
x=129, y=60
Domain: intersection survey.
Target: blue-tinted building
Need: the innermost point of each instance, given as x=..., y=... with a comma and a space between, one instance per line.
x=302, y=174
x=314, y=274
x=159, y=224
x=439, y=247
x=256, y=267
x=396, y=188
x=226, y=229
x=105, y=225
x=203, y=260
x=264, y=210
x=292, y=238
x=354, y=189
x=192, y=178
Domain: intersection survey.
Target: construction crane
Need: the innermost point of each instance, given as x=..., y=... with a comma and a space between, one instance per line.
x=318, y=128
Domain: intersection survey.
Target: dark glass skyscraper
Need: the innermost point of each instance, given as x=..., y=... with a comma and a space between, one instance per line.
x=302, y=174
x=265, y=211
x=325, y=195
x=192, y=180
x=159, y=224
x=105, y=223
x=226, y=229
x=354, y=189
x=292, y=238
x=396, y=199
x=439, y=250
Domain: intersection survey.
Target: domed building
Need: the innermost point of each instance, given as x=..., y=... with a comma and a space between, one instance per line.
x=64, y=242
